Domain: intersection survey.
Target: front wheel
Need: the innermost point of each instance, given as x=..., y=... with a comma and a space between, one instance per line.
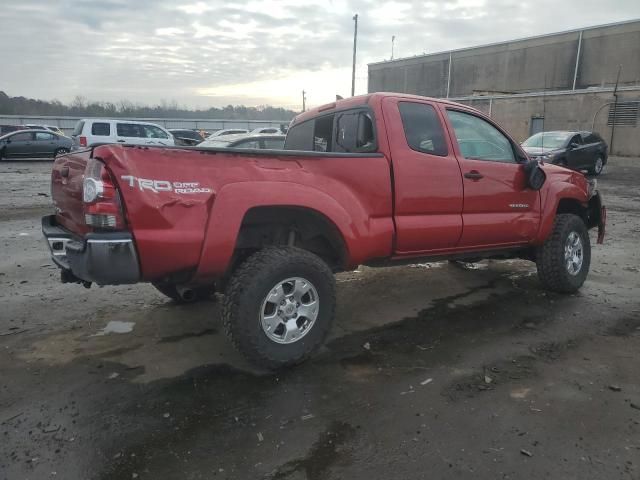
x=598, y=166
x=279, y=306
x=563, y=260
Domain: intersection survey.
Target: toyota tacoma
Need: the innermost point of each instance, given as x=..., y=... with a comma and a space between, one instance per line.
x=378, y=179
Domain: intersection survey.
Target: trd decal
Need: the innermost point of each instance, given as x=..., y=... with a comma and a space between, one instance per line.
x=157, y=186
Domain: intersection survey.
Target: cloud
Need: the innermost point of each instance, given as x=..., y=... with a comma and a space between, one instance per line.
x=208, y=53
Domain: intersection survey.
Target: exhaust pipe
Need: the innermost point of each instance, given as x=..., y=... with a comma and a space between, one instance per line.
x=186, y=294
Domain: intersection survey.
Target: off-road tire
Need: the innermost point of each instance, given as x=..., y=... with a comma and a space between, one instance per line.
x=198, y=294
x=550, y=257
x=247, y=290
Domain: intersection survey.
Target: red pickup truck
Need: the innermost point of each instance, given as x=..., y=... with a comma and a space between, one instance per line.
x=376, y=180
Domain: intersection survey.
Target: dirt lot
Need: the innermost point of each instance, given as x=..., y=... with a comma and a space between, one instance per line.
x=432, y=371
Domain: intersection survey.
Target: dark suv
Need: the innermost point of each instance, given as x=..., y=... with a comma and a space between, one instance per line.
x=576, y=150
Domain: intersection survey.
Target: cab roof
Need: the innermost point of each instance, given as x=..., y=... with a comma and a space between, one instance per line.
x=363, y=100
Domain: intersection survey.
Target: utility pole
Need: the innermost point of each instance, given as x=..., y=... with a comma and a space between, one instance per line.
x=353, y=71
x=304, y=100
x=615, y=110
x=393, y=40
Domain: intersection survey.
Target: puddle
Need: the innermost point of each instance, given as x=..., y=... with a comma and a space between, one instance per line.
x=115, y=326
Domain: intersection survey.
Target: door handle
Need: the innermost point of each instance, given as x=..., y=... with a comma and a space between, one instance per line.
x=122, y=141
x=473, y=175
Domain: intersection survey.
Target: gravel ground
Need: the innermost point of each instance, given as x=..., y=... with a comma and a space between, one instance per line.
x=432, y=371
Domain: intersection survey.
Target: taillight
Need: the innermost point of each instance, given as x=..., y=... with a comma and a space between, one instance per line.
x=102, y=207
x=83, y=141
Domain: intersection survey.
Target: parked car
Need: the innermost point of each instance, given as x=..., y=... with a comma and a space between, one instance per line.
x=90, y=132
x=228, y=131
x=246, y=140
x=183, y=136
x=51, y=128
x=266, y=130
x=376, y=180
x=576, y=150
x=33, y=143
x=4, y=129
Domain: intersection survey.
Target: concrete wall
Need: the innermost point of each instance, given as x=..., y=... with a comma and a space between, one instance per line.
x=545, y=63
x=534, y=64
x=574, y=111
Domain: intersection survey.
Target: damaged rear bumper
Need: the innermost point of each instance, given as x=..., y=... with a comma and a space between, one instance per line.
x=103, y=258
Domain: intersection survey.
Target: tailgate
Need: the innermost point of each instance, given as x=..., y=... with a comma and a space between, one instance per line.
x=66, y=190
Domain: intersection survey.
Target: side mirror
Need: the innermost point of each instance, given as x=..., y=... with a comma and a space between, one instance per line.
x=536, y=176
x=573, y=145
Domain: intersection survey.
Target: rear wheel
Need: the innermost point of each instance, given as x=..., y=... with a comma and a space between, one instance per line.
x=60, y=151
x=563, y=260
x=279, y=306
x=598, y=166
x=182, y=294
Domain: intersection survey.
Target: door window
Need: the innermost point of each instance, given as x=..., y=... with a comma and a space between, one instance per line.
x=274, y=143
x=130, y=130
x=248, y=144
x=422, y=128
x=151, y=131
x=22, y=137
x=576, y=141
x=44, y=137
x=101, y=129
x=479, y=140
x=590, y=138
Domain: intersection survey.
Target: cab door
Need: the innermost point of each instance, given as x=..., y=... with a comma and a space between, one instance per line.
x=577, y=153
x=45, y=144
x=131, y=133
x=427, y=181
x=499, y=209
x=19, y=145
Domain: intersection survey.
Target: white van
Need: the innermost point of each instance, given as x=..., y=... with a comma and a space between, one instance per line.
x=92, y=131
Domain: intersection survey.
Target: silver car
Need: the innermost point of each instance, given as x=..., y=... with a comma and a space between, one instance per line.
x=32, y=144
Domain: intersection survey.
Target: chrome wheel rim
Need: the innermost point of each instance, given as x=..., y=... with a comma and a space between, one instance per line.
x=289, y=310
x=599, y=165
x=573, y=253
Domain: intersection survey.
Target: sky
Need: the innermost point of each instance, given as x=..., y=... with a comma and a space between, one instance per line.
x=215, y=53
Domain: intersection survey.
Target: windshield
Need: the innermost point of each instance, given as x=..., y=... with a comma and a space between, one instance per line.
x=547, y=140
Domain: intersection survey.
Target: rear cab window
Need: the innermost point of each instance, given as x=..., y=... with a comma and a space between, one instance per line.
x=349, y=131
x=300, y=137
x=422, y=128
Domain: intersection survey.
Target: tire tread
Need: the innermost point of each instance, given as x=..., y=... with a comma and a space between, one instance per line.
x=243, y=281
